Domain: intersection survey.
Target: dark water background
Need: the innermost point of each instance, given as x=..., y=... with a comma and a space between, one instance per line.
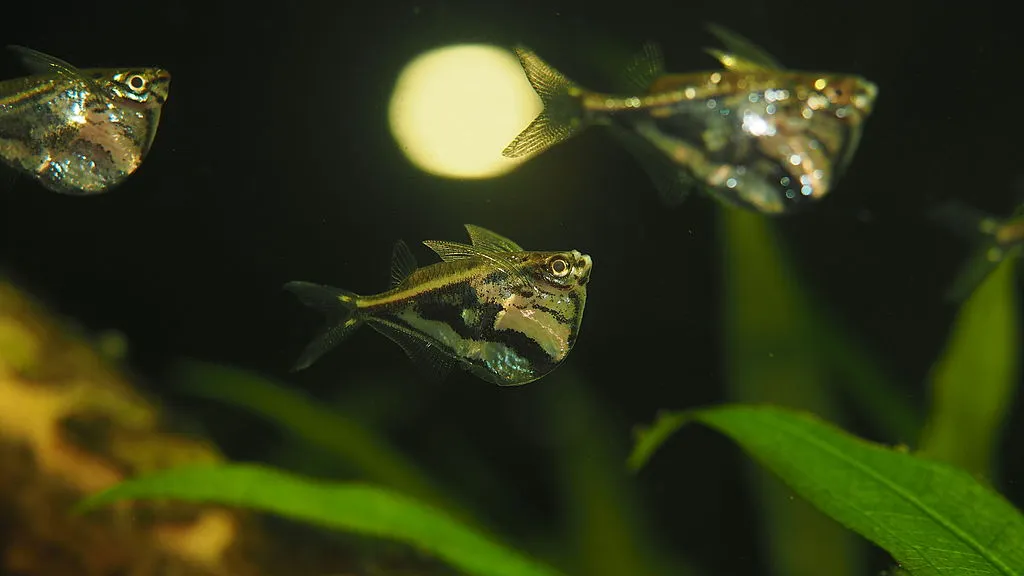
x=274, y=162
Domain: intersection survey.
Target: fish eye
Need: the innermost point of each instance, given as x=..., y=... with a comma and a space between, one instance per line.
x=559, y=267
x=137, y=82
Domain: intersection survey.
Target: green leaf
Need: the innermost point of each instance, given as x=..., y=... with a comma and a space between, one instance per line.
x=773, y=352
x=609, y=531
x=776, y=323
x=933, y=518
x=371, y=455
x=360, y=508
x=974, y=381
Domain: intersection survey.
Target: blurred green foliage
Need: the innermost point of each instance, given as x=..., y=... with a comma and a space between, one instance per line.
x=783, y=346
x=360, y=508
x=607, y=528
x=369, y=455
x=974, y=382
x=772, y=353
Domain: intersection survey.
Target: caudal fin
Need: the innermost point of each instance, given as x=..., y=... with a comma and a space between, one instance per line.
x=342, y=318
x=562, y=115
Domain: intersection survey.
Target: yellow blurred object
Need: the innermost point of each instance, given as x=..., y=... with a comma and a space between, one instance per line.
x=454, y=109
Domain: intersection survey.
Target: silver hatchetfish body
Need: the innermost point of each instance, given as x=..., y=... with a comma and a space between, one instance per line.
x=506, y=315
x=79, y=131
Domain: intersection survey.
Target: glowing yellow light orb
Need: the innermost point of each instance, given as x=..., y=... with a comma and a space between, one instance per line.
x=454, y=109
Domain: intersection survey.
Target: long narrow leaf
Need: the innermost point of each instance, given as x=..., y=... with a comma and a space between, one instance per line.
x=292, y=411
x=935, y=520
x=356, y=508
x=974, y=382
x=771, y=344
x=610, y=531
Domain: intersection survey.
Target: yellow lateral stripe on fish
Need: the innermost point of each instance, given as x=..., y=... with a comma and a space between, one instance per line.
x=79, y=131
x=19, y=90
x=507, y=315
x=752, y=135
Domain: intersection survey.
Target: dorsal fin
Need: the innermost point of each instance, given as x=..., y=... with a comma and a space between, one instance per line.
x=740, y=54
x=39, y=63
x=403, y=263
x=646, y=66
x=450, y=251
x=484, y=239
x=503, y=261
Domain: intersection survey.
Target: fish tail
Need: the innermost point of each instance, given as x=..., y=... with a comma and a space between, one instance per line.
x=342, y=311
x=562, y=115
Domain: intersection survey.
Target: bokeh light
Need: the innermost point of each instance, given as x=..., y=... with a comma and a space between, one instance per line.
x=454, y=109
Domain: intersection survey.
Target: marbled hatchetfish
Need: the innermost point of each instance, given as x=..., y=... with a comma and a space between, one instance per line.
x=506, y=315
x=79, y=131
x=753, y=135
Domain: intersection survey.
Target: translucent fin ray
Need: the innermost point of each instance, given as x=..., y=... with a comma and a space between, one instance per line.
x=339, y=306
x=454, y=251
x=561, y=116
x=741, y=54
x=645, y=67
x=672, y=183
x=39, y=63
x=541, y=134
x=403, y=263
x=430, y=361
x=450, y=251
x=491, y=241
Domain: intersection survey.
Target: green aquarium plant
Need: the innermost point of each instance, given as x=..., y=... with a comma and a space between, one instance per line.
x=354, y=507
x=933, y=506
x=933, y=518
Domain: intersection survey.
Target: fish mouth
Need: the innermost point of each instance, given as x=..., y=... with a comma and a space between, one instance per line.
x=583, y=266
x=865, y=99
x=160, y=85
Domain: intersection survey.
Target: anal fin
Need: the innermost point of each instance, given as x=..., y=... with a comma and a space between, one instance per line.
x=431, y=362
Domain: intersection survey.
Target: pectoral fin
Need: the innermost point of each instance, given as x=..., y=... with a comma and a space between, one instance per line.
x=672, y=182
